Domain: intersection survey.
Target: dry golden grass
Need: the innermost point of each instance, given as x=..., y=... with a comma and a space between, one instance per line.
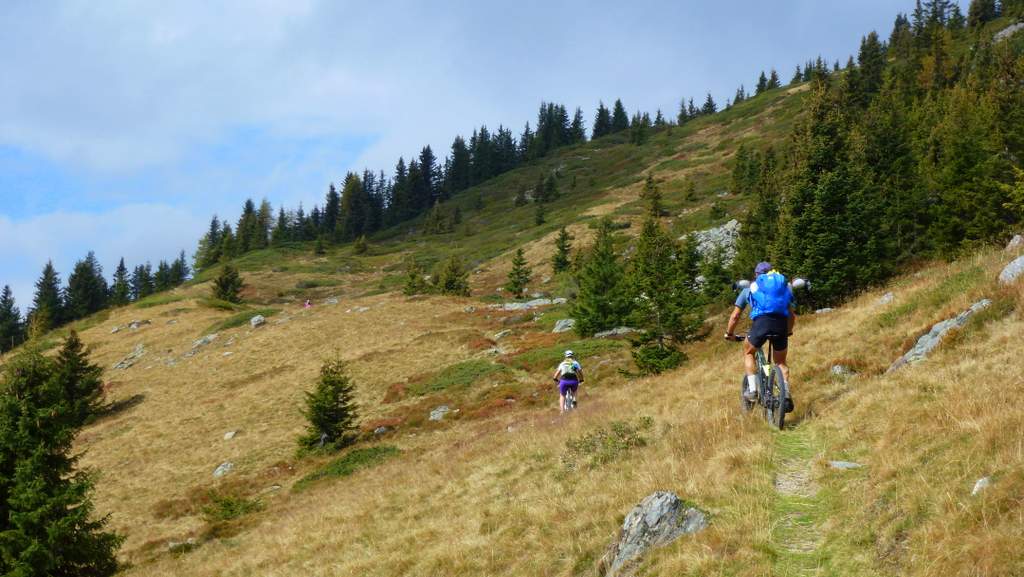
x=485, y=493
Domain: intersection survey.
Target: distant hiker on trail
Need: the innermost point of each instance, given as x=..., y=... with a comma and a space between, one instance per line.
x=307, y=304
x=568, y=375
x=771, y=312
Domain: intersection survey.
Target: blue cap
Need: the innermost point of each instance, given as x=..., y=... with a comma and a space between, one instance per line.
x=762, y=268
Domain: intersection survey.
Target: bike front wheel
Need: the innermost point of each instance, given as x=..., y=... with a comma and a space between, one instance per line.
x=775, y=404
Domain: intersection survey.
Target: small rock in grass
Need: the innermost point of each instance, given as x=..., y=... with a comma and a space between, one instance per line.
x=823, y=311
x=502, y=334
x=469, y=310
x=886, y=298
x=844, y=465
x=115, y=330
x=659, y=519
x=842, y=370
x=1016, y=243
x=223, y=469
x=257, y=321
x=980, y=485
x=439, y=413
x=230, y=435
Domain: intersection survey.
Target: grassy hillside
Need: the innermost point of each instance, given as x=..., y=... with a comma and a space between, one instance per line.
x=503, y=485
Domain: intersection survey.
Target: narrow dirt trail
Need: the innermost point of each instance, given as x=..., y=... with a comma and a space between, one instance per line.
x=797, y=509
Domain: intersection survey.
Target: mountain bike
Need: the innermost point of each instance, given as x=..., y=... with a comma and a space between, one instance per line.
x=570, y=400
x=772, y=389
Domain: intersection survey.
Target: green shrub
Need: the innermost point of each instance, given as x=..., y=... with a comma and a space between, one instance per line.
x=653, y=359
x=239, y=319
x=157, y=300
x=228, y=507
x=461, y=374
x=349, y=463
x=606, y=444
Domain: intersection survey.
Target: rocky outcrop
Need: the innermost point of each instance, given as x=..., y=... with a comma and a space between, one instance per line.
x=844, y=465
x=1016, y=243
x=1008, y=31
x=223, y=469
x=199, y=344
x=528, y=305
x=1013, y=271
x=719, y=241
x=658, y=520
x=439, y=413
x=257, y=321
x=616, y=332
x=137, y=353
x=929, y=341
x=564, y=326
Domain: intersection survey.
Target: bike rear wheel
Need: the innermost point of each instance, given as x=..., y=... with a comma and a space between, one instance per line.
x=745, y=405
x=570, y=400
x=775, y=403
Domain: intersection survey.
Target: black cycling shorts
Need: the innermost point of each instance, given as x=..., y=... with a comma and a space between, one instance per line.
x=765, y=325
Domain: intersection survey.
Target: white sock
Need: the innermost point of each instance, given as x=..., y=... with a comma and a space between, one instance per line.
x=752, y=383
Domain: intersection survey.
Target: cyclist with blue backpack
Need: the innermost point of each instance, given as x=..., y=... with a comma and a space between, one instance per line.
x=771, y=313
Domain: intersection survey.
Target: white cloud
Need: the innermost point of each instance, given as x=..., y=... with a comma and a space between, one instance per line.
x=137, y=232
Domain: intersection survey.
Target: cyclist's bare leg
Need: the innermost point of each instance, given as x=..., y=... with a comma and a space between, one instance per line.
x=780, y=359
x=748, y=358
x=561, y=403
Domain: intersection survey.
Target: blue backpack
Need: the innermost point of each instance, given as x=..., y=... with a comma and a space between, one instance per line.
x=770, y=295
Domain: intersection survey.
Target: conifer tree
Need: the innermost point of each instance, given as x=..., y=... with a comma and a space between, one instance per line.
x=331, y=409
x=773, y=80
x=620, y=120
x=602, y=121
x=415, y=282
x=684, y=113
x=162, y=277
x=602, y=301
x=560, y=262
x=46, y=514
x=981, y=11
x=538, y=214
x=691, y=191
x=762, y=84
x=578, y=130
x=519, y=275
x=12, y=332
x=360, y=246
x=663, y=306
x=709, y=106
x=652, y=196
x=142, y=281
x=691, y=110
x=459, y=172
x=451, y=277
x=659, y=119
x=228, y=285
x=318, y=247
x=354, y=213
x=47, y=304
x=120, y=289
x=520, y=199
x=798, y=77
x=331, y=211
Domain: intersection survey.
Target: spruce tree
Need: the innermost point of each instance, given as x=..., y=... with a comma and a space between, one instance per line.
x=47, y=306
x=319, y=248
x=228, y=285
x=120, y=289
x=142, y=282
x=451, y=277
x=762, y=84
x=602, y=122
x=664, y=306
x=652, y=196
x=620, y=120
x=415, y=283
x=46, y=514
x=560, y=262
x=332, y=209
x=684, y=114
x=709, y=106
x=577, y=129
x=520, y=199
x=538, y=214
x=519, y=275
x=798, y=77
x=602, y=301
x=773, y=80
x=331, y=409
x=12, y=332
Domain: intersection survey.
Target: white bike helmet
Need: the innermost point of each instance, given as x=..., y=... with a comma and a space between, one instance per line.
x=569, y=354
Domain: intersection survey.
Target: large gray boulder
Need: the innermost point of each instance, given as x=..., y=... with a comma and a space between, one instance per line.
x=257, y=321
x=658, y=520
x=1012, y=271
x=929, y=341
x=720, y=241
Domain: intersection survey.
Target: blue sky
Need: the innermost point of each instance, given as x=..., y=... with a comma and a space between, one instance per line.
x=125, y=125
